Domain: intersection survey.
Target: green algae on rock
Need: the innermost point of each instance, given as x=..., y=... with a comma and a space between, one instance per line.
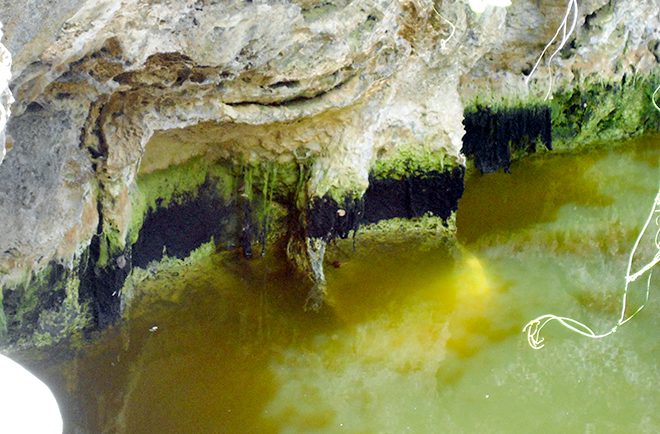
x=603, y=111
x=585, y=116
x=408, y=161
x=44, y=309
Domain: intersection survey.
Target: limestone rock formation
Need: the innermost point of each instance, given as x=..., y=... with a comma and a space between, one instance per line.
x=6, y=98
x=114, y=90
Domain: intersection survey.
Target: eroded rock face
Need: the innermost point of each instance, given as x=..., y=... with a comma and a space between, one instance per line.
x=109, y=89
x=47, y=198
x=6, y=97
x=611, y=39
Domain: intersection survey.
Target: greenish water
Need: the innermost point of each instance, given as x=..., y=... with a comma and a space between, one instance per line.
x=416, y=339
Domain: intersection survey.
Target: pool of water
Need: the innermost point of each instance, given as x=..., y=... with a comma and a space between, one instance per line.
x=415, y=338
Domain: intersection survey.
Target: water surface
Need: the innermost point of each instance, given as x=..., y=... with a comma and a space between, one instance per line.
x=415, y=339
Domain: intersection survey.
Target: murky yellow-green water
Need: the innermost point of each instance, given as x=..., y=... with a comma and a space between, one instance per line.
x=417, y=339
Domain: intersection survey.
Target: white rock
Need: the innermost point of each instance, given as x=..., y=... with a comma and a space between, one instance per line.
x=27, y=406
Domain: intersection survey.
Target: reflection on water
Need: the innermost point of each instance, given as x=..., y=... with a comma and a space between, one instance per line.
x=415, y=340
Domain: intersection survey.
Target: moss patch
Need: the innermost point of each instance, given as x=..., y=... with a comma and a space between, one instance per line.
x=599, y=112
x=269, y=190
x=425, y=232
x=590, y=114
x=410, y=161
x=44, y=309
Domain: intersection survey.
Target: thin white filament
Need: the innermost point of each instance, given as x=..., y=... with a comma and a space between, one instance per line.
x=444, y=42
x=566, y=31
x=535, y=326
x=653, y=98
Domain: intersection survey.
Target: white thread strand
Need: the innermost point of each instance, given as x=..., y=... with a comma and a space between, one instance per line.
x=563, y=28
x=653, y=98
x=535, y=326
x=443, y=42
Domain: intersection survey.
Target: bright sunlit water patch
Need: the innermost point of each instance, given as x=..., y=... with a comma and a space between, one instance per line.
x=415, y=339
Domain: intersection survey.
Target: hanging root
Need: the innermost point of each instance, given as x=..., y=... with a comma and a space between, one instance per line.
x=566, y=31
x=535, y=326
x=443, y=43
x=655, y=104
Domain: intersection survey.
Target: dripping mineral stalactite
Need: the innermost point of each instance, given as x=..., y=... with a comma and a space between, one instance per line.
x=326, y=220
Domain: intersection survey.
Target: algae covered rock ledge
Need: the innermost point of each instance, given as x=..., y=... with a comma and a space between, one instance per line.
x=144, y=129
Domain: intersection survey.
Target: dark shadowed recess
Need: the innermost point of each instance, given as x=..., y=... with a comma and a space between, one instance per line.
x=175, y=230
x=327, y=220
x=435, y=193
x=491, y=135
x=100, y=283
x=184, y=226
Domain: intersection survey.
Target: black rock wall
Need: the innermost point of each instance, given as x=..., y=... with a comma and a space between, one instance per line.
x=100, y=283
x=491, y=135
x=23, y=304
x=327, y=220
x=434, y=192
x=184, y=226
x=175, y=230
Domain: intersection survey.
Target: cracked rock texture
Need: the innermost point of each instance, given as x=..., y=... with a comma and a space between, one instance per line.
x=338, y=83
x=6, y=98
